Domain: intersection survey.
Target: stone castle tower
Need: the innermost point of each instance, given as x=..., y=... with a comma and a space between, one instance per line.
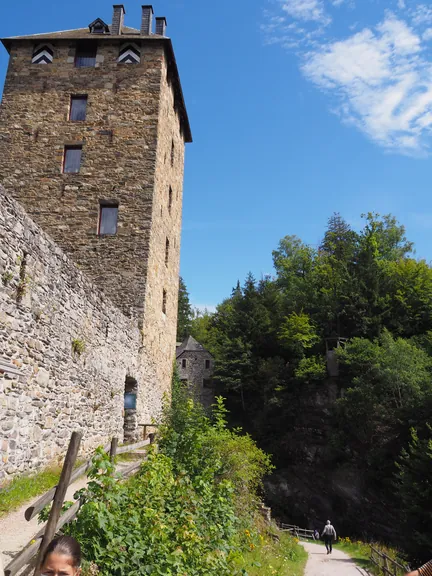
x=93, y=127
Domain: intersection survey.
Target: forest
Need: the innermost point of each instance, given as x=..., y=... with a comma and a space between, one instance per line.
x=328, y=365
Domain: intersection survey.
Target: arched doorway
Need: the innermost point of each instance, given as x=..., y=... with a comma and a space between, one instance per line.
x=130, y=426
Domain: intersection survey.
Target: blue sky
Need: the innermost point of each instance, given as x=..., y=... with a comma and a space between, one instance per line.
x=298, y=108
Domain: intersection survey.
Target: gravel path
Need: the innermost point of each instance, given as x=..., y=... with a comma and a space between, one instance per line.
x=336, y=564
x=16, y=532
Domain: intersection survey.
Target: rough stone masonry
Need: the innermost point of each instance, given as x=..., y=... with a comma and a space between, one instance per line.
x=130, y=142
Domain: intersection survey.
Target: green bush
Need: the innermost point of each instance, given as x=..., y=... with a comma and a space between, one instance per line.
x=186, y=510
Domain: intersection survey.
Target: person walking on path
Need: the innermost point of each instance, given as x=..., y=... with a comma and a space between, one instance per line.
x=329, y=533
x=425, y=570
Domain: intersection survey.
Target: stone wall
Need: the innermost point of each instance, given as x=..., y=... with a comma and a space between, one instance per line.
x=160, y=327
x=73, y=346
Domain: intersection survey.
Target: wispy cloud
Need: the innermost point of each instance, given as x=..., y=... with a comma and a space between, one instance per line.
x=379, y=78
x=306, y=10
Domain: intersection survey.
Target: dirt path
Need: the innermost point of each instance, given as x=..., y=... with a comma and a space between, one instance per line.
x=336, y=564
x=16, y=532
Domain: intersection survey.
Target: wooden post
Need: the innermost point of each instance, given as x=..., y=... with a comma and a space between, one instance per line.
x=145, y=432
x=113, y=450
x=59, y=497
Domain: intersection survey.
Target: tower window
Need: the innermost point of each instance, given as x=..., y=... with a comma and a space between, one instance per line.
x=78, y=108
x=72, y=159
x=170, y=197
x=42, y=55
x=86, y=55
x=184, y=363
x=108, y=217
x=207, y=364
x=167, y=252
x=172, y=152
x=164, y=300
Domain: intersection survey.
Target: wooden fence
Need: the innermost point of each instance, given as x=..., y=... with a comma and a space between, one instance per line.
x=297, y=531
x=39, y=543
x=387, y=565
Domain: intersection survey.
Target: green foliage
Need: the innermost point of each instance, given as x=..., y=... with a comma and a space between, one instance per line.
x=7, y=277
x=298, y=333
x=270, y=557
x=185, y=314
x=270, y=337
x=184, y=512
x=415, y=491
x=311, y=368
x=78, y=346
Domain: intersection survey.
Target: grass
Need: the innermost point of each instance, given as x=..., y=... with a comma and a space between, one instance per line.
x=23, y=488
x=274, y=558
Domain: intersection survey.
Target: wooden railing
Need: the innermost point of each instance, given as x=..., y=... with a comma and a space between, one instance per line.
x=297, y=531
x=387, y=565
x=40, y=541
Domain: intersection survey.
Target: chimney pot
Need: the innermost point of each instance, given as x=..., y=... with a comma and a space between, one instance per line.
x=161, y=25
x=118, y=19
x=147, y=20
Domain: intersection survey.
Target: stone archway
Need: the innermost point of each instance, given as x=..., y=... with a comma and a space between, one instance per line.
x=130, y=426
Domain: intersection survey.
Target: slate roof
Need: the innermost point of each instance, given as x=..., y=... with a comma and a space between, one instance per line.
x=127, y=34
x=79, y=34
x=190, y=345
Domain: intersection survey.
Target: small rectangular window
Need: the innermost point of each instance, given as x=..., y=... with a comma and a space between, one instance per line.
x=164, y=301
x=207, y=364
x=86, y=55
x=78, y=108
x=166, y=252
x=184, y=363
x=108, y=216
x=72, y=159
x=170, y=197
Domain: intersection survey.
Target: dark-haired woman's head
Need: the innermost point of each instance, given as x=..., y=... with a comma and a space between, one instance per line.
x=62, y=557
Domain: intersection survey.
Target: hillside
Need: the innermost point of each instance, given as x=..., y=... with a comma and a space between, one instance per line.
x=328, y=365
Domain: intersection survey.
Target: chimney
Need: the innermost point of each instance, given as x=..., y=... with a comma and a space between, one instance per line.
x=118, y=19
x=147, y=20
x=161, y=25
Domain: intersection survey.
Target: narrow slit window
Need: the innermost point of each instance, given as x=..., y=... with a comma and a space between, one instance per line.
x=207, y=364
x=170, y=198
x=108, y=218
x=184, y=363
x=72, y=159
x=172, y=153
x=85, y=56
x=167, y=247
x=164, y=301
x=78, y=108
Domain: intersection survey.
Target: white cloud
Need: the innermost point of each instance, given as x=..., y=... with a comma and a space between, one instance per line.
x=379, y=77
x=383, y=85
x=306, y=10
x=422, y=14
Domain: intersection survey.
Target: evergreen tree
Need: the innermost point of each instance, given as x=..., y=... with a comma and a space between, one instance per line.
x=185, y=314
